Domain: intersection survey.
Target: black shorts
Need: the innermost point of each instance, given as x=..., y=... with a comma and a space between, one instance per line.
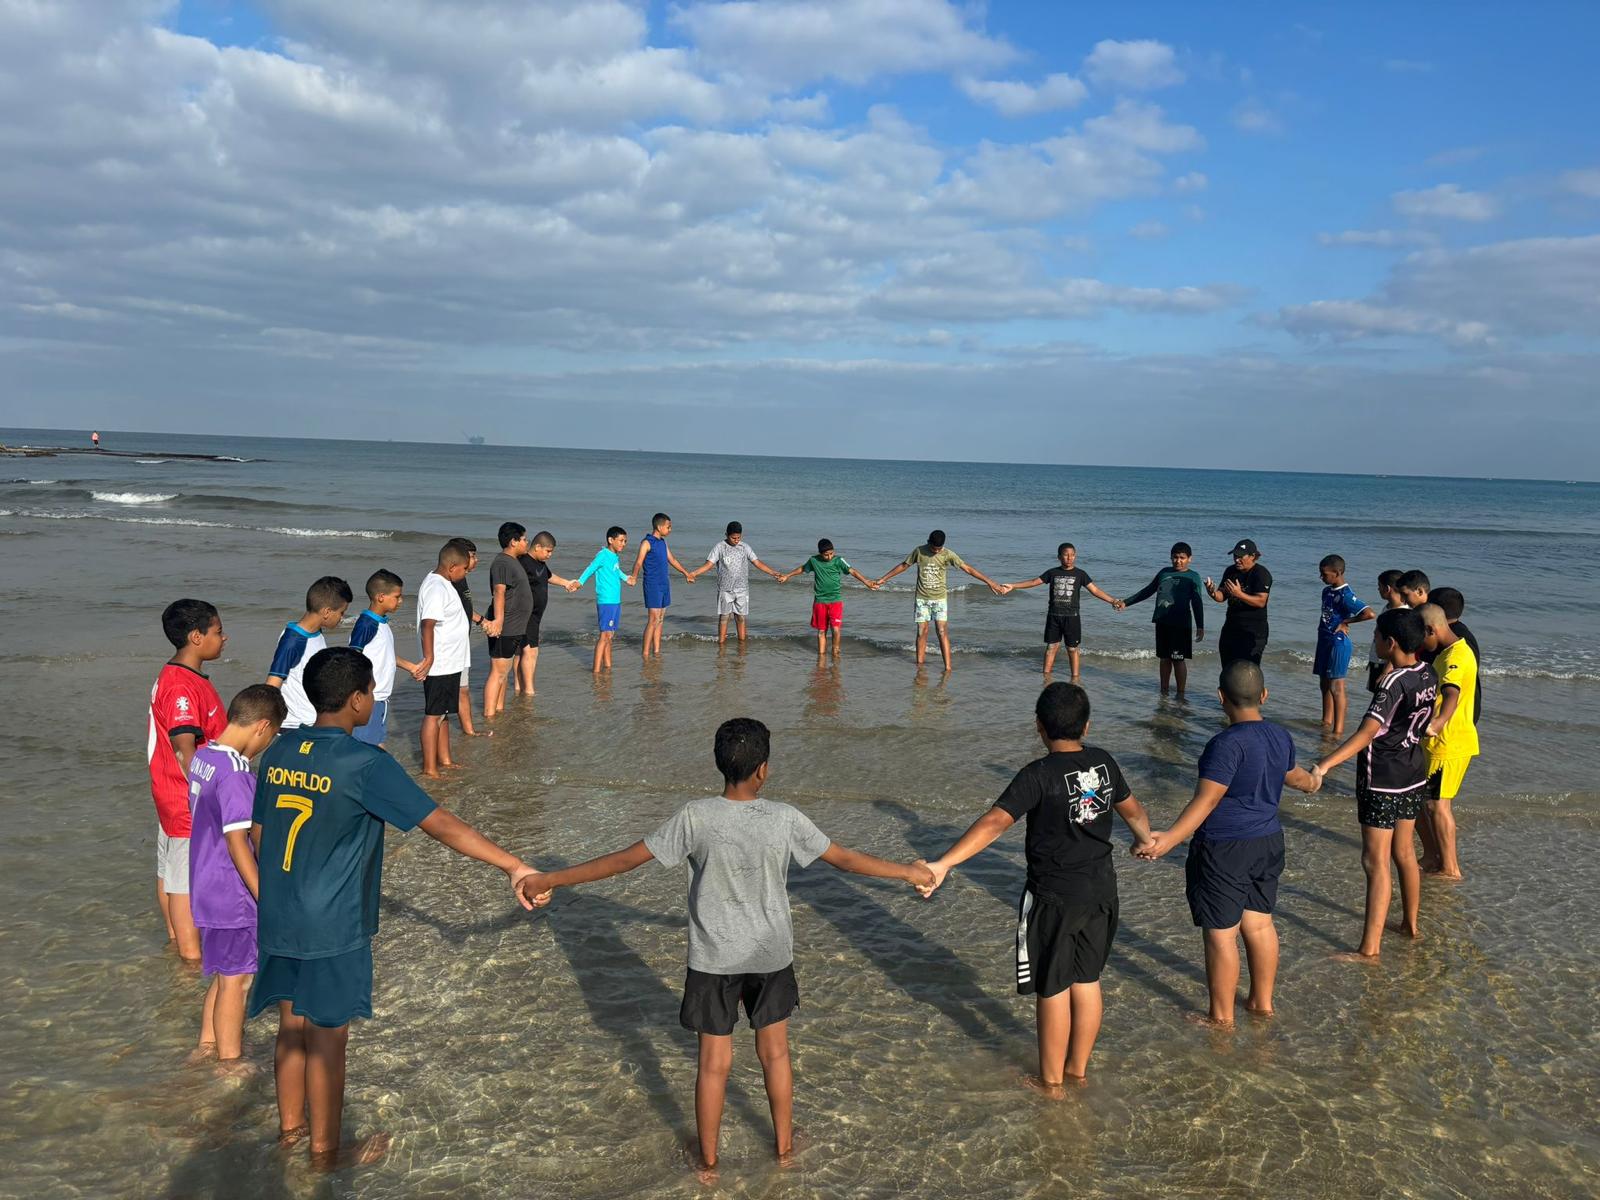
x=441, y=695
x=531, y=637
x=506, y=646
x=711, y=1002
x=1174, y=641
x=1061, y=942
x=1066, y=628
x=1235, y=645
x=1223, y=879
x=1380, y=810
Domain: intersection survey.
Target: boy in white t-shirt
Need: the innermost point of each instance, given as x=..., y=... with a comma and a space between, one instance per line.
x=373, y=637
x=326, y=601
x=442, y=626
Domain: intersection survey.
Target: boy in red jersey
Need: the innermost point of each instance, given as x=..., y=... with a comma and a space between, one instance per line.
x=185, y=714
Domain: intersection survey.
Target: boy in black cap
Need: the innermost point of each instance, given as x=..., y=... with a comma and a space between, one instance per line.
x=1245, y=588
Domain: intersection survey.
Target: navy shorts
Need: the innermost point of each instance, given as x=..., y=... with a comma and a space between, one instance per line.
x=711, y=1002
x=1061, y=942
x=1223, y=879
x=657, y=595
x=1064, y=628
x=329, y=992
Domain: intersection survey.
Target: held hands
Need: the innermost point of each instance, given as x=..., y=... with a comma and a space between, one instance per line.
x=936, y=872
x=1318, y=777
x=572, y=585
x=419, y=672
x=530, y=889
x=628, y=579
x=999, y=589
x=1161, y=842
x=492, y=628
x=1119, y=605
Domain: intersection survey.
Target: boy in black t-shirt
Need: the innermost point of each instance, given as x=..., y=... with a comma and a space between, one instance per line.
x=1062, y=625
x=1391, y=775
x=1067, y=916
x=536, y=562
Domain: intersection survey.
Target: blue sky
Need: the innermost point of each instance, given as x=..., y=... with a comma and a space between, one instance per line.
x=1108, y=233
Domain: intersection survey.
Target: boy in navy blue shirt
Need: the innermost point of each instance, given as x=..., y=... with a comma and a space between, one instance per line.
x=1340, y=610
x=1231, y=876
x=322, y=800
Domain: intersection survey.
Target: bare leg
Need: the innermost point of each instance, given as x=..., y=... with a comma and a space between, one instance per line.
x=922, y=641
x=822, y=644
x=1050, y=657
x=464, y=711
x=1404, y=852
x=325, y=1050
x=1430, y=839
x=722, y=630
x=181, y=917
x=944, y=643
x=1222, y=973
x=1165, y=666
x=443, y=739
x=1074, y=656
x=494, y=688
x=772, y=1047
x=838, y=636
x=1261, y=952
x=208, y=1013
x=605, y=647
x=599, y=652
x=743, y=631
x=1327, y=703
x=1341, y=706
x=430, y=746
x=1054, y=1017
x=527, y=666
x=166, y=910
x=1180, y=668
x=710, y=1088
x=1444, y=827
x=229, y=1016
x=1087, y=1009
x=289, y=1070
x=1375, y=849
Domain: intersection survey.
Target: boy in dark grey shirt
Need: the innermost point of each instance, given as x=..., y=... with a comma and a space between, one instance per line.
x=741, y=944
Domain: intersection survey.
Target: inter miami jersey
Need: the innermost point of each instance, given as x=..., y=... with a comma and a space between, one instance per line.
x=322, y=799
x=1067, y=798
x=1395, y=760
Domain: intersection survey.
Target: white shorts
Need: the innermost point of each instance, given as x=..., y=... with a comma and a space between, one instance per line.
x=735, y=603
x=172, y=863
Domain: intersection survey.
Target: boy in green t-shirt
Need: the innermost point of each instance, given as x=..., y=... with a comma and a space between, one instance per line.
x=827, y=571
x=932, y=562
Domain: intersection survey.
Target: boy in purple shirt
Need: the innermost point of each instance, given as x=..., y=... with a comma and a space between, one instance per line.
x=222, y=864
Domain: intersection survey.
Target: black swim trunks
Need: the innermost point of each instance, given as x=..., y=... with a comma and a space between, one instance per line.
x=1380, y=810
x=1061, y=942
x=441, y=694
x=1174, y=641
x=711, y=1002
x=1066, y=629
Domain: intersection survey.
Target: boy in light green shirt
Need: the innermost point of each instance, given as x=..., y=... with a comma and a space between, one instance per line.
x=933, y=562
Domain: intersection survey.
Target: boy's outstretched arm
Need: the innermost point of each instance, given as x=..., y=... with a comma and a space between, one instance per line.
x=1023, y=585
x=672, y=561
x=884, y=578
x=1348, y=749
x=1147, y=591
x=978, y=836
x=871, y=584
x=982, y=578
x=916, y=874
x=450, y=830
x=1136, y=819
x=535, y=887
x=1094, y=590
x=1208, y=793
x=761, y=566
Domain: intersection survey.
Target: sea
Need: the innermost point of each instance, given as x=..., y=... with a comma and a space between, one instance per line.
x=517, y=1054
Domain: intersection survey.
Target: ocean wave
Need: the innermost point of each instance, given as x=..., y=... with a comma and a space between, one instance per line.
x=151, y=462
x=133, y=497
x=198, y=523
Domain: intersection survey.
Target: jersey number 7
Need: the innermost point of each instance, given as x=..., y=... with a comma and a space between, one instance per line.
x=302, y=805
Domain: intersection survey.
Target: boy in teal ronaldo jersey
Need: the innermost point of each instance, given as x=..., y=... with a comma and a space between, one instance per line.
x=322, y=800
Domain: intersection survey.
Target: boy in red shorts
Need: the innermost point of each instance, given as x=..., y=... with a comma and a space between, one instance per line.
x=827, y=571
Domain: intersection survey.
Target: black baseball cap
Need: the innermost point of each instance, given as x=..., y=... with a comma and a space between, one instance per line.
x=1245, y=546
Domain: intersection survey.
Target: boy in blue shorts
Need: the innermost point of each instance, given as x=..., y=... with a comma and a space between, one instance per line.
x=1231, y=876
x=1067, y=916
x=741, y=943
x=373, y=637
x=322, y=802
x=326, y=602
x=606, y=568
x=1340, y=610
x=653, y=560
x=222, y=864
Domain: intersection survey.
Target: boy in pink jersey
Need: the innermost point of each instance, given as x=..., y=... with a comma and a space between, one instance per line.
x=223, y=880
x=185, y=713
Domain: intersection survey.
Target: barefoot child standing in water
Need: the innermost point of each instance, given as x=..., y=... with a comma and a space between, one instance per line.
x=1067, y=916
x=741, y=944
x=1391, y=774
x=606, y=569
x=1236, y=857
x=321, y=805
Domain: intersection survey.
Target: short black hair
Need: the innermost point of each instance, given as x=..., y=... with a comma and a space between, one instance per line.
x=657, y=521
x=1389, y=580
x=1242, y=683
x=1404, y=627
x=381, y=582
x=465, y=545
x=1063, y=711
x=1332, y=561
x=454, y=554
x=510, y=531
x=743, y=744
x=334, y=675
x=258, y=702
x=328, y=592
x=1449, y=599
x=735, y=527
x=1063, y=548
x=544, y=538
x=1412, y=581
x=183, y=617
x=1180, y=548
x=616, y=531
x=823, y=545
x=936, y=538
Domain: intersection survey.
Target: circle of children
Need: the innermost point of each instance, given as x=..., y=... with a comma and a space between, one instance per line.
x=272, y=875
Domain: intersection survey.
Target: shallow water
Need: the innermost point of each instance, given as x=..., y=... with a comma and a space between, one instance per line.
x=516, y=1054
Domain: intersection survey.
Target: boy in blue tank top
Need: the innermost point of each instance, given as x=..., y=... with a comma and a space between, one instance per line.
x=322, y=801
x=653, y=560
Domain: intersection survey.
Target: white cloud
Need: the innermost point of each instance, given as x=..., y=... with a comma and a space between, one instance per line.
x=1014, y=98
x=1352, y=319
x=1447, y=201
x=1382, y=238
x=1585, y=182
x=1252, y=116
x=1192, y=181
x=1135, y=66
x=1149, y=231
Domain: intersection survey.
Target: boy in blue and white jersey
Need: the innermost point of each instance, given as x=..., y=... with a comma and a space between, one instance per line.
x=1340, y=610
x=326, y=602
x=374, y=638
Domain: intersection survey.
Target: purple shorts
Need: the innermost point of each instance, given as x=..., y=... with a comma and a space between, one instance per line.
x=227, y=951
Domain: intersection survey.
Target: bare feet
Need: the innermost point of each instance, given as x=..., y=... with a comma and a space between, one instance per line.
x=1429, y=866
x=356, y=1154
x=1257, y=1011
x=288, y=1138
x=201, y=1053
x=799, y=1141
x=1410, y=931
x=433, y=774
x=1206, y=1021
x=455, y=766
x=238, y=1069
x=1356, y=956
x=705, y=1172
x=1050, y=1091
x=1447, y=876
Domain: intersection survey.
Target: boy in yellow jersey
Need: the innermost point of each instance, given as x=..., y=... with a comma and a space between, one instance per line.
x=1452, y=740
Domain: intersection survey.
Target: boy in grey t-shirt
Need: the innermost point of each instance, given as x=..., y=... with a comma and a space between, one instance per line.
x=741, y=944
x=733, y=558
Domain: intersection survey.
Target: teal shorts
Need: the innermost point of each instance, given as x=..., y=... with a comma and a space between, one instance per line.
x=329, y=992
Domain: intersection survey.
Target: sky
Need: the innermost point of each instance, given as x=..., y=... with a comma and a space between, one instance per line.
x=1328, y=237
